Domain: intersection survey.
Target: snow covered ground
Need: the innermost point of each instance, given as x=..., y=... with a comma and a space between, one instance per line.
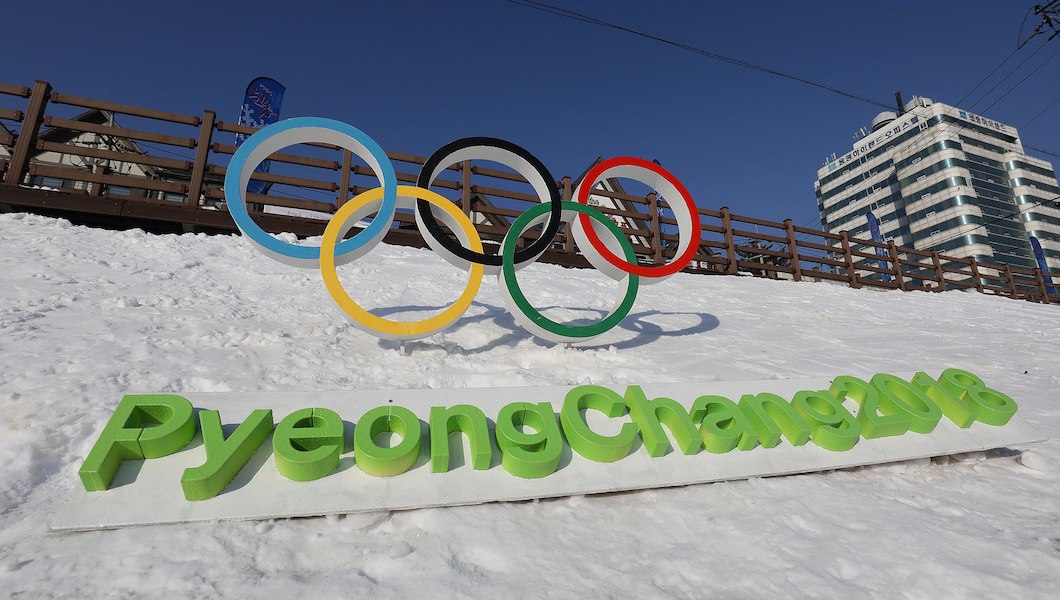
x=87, y=315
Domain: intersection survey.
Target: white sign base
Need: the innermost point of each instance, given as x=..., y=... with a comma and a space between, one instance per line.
x=148, y=492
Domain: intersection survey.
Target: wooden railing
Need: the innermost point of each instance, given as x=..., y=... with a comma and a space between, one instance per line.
x=185, y=187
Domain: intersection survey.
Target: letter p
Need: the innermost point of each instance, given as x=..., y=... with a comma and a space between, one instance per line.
x=142, y=426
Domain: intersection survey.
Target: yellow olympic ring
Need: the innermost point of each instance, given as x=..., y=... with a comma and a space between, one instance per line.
x=386, y=328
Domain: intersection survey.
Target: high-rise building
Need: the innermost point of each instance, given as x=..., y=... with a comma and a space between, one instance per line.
x=940, y=178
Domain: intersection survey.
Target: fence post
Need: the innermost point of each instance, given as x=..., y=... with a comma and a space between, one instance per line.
x=96, y=189
x=1041, y=285
x=202, y=154
x=848, y=258
x=656, y=229
x=344, y=179
x=940, y=276
x=793, y=250
x=730, y=244
x=897, y=266
x=975, y=274
x=568, y=235
x=1010, y=281
x=27, y=137
x=465, y=187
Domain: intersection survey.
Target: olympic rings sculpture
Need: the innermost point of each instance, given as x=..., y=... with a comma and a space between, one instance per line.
x=598, y=238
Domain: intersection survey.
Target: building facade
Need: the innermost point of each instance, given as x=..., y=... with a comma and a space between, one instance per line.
x=940, y=178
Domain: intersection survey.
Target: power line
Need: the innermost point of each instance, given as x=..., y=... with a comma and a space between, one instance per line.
x=937, y=21
x=581, y=17
x=297, y=197
x=1050, y=16
x=1041, y=112
x=273, y=191
x=1003, y=79
x=938, y=133
x=1020, y=42
x=1032, y=101
x=1036, y=149
x=584, y=18
x=1027, y=76
x=166, y=150
x=943, y=126
x=988, y=76
x=574, y=15
x=813, y=221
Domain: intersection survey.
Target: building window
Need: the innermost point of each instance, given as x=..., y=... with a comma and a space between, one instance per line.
x=50, y=182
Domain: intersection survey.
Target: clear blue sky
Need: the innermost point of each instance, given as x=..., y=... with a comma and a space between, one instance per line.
x=415, y=75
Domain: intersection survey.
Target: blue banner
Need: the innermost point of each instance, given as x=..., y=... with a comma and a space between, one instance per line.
x=261, y=107
x=874, y=230
x=1039, y=255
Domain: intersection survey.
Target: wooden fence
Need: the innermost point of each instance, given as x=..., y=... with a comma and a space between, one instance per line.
x=116, y=176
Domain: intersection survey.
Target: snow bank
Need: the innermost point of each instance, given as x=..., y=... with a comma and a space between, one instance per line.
x=87, y=315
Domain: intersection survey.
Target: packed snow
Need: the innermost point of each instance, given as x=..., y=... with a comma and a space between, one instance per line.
x=87, y=315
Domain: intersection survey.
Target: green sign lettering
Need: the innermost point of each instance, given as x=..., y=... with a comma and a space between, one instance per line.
x=308, y=443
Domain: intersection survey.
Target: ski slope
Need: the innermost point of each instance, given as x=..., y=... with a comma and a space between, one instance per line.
x=87, y=315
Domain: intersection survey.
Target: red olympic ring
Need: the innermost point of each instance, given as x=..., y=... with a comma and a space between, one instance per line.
x=679, y=262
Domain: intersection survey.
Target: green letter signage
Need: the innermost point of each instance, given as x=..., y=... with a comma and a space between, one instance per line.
x=585, y=441
x=307, y=444
x=143, y=426
x=529, y=455
x=395, y=460
x=224, y=457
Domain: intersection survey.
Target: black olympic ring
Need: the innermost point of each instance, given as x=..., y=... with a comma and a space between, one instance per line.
x=441, y=159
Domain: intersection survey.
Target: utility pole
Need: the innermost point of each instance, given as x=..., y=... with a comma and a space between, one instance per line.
x=1050, y=14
